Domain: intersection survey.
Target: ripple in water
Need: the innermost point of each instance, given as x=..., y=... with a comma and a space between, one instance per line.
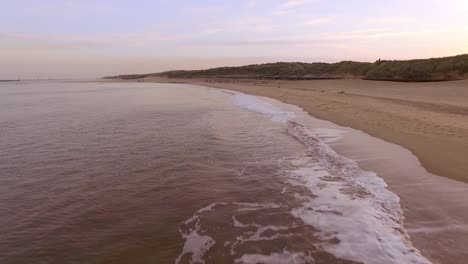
x=156, y=173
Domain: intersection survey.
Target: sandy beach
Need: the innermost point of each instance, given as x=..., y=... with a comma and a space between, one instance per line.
x=430, y=119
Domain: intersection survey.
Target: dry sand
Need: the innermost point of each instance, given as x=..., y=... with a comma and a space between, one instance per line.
x=429, y=119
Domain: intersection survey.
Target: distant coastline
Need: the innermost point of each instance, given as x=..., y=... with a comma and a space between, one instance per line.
x=419, y=70
x=419, y=113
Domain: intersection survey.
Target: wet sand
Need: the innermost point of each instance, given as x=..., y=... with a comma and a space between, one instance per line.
x=435, y=208
x=429, y=119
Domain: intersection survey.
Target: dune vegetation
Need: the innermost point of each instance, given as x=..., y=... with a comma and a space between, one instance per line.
x=421, y=70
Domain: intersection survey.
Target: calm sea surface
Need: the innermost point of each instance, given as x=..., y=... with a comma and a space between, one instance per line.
x=166, y=173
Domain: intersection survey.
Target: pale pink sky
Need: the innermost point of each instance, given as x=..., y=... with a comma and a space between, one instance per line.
x=92, y=38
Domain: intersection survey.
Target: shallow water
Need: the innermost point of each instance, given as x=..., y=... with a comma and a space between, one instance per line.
x=160, y=173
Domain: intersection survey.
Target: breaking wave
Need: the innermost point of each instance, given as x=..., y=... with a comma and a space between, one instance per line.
x=332, y=209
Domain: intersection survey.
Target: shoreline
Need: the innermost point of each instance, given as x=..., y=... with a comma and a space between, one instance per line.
x=429, y=119
x=436, y=216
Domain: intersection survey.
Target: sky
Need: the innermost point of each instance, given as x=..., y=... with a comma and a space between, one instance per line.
x=94, y=38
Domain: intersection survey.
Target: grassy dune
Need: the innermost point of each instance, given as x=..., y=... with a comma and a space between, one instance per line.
x=434, y=69
x=437, y=69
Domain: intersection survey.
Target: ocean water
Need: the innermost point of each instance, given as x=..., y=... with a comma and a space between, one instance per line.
x=171, y=173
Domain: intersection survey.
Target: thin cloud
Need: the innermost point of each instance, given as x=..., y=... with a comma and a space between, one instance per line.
x=69, y=8
x=390, y=20
x=383, y=33
x=296, y=3
x=318, y=21
x=83, y=42
x=290, y=5
x=244, y=24
x=338, y=39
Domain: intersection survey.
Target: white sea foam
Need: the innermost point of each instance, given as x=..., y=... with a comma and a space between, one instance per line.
x=259, y=233
x=356, y=216
x=351, y=205
x=196, y=244
x=276, y=258
x=348, y=203
x=255, y=104
x=255, y=206
x=239, y=224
